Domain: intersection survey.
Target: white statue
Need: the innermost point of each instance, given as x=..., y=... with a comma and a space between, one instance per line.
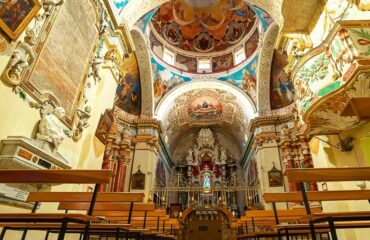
x=223, y=156
x=51, y=128
x=96, y=66
x=217, y=160
x=189, y=157
x=83, y=117
x=196, y=156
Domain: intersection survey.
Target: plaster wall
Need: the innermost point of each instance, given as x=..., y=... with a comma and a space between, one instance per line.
x=327, y=156
x=266, y=156
x=147, y=158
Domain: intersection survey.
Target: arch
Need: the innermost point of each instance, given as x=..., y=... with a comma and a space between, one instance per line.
x=146, y=76
x=264, y=68
x=244, y=101
x=137, y=9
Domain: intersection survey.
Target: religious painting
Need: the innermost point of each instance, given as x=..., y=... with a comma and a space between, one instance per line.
x=282, y=89
x=245, y=78
x=182, y=24
x=275, y=177
x=104, y=125
x=155, y=45
x=252, y=44
x=185, y=63
x=138, y=180
x=128, y=92
x=15, y=15
x=165, y=80
x=205, y=107
x=222, y=63
x=175, y=210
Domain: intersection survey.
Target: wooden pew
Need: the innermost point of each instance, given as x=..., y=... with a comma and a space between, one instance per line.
x=268, y=219
x=331, y=175
x=96, y=177
x=140, y=215
x=76, y=200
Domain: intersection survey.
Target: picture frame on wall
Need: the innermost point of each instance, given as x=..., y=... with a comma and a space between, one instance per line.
x=15, y=16
x=275, y=177
x=104, y=125
x=175, y=210
x=138, y=180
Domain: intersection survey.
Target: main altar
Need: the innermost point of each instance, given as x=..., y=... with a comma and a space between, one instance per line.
x=208, y=177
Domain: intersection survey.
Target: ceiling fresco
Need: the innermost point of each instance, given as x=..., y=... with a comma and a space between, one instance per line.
x=165, y=79
x=245, y=78
x=203, y=108
x=220, y=63
x=192, y=27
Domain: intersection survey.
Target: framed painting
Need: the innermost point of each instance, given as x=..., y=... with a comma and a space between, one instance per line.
x=275, y=177
x=138, y=180
x=175, y=210
x=15, y=16
x=104, y=125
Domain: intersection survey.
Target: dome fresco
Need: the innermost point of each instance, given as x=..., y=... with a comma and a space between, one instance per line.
x=194, y=28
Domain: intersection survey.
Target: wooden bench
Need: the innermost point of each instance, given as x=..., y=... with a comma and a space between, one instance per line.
x=269, y=219
x=139, y=216
x=96, y=177
x=77, y=201
x=326, y=175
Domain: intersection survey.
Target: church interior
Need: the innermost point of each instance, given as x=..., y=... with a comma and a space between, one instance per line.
x=185, y=119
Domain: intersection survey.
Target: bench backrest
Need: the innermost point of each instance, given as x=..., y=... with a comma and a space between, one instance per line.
x=84, y=197
x=55, y=176
x=155, y=213
x=107, y=206
x=270, y=213
x=328, y=174
x=317, y=196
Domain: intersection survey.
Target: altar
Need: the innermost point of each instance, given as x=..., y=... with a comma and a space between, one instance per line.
x=208, y=177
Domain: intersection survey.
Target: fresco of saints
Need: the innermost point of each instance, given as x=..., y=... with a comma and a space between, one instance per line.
x=128, y=94
x=160, y=87
x=249, y=83
x=286, y=90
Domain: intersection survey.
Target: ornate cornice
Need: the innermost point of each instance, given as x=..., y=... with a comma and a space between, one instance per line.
x=270, y=120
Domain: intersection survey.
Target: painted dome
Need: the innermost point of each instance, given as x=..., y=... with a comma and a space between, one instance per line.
x=203, y=26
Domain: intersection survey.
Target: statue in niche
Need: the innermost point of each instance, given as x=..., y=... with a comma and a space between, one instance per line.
x=216, y=157
x=196, y=161
x=51, y=127
x=207, y=183
x=223, y=156
x=189, y=157
x=285, y=132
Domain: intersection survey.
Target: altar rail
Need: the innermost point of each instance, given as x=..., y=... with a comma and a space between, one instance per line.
x=215, y=196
